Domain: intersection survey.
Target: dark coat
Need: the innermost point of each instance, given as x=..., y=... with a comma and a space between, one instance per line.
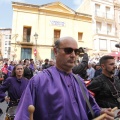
x=81, y=68
x=101, y=86
x=28, y=73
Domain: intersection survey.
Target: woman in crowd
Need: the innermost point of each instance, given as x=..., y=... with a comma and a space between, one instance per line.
x=10, y=68
x=14, y=85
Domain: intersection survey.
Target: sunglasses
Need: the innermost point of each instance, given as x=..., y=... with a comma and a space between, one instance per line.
x=70, y=50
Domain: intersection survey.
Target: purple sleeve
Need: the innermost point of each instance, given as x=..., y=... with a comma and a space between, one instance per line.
x=3, y=88
x=26, y=100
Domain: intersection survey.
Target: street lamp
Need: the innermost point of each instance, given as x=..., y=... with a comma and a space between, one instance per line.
x=35, y=50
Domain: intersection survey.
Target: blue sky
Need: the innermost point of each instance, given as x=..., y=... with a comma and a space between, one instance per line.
x=6, y=8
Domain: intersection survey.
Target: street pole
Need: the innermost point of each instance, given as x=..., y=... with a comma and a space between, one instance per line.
x=36, y=37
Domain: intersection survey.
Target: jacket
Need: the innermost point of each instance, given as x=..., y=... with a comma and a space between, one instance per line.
x=81, y=68
x=104, y=91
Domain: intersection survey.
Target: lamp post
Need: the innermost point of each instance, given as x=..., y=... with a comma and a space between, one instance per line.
x=35, y=50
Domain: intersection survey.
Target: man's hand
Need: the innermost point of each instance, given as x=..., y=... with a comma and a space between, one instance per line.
x=109, y=113
x=106, y=114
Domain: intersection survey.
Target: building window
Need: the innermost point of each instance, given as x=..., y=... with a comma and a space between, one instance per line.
x=9, y=48
x=9, y=42
x=80, y=35
x=97, y=7
x=5, y=42
x=98, y=27
x=9, y=36
x=108, y=12
x=6, y=36
x=103, y=44
x=97, y=10
x=56, y=35
x=107, y=9
x=5, y=48
x=109, y=26
x=26, y=34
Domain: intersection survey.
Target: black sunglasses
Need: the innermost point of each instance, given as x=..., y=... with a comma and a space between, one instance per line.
x=70, y=50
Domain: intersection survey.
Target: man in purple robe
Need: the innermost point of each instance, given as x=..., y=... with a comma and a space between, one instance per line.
x=55, y=93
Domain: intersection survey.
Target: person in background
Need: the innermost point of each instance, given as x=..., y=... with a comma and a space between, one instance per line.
x=14, y=85
x=90, y=71
x=116, y=71
x=80, y=68
x=1, y=77
x=28, y=73
x=55, y=93
x=51, y=63
x=46, y=64
x=5, y=71
x=98, y=70
x=32, y=65
x=10, y=68
x=106, y=86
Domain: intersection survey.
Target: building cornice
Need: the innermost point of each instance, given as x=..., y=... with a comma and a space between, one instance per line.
x=40, y=9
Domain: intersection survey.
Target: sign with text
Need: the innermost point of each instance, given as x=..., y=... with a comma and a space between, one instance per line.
x=57, y=23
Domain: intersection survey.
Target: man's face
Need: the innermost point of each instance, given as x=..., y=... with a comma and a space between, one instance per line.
x=109, y=66
x=66, y=61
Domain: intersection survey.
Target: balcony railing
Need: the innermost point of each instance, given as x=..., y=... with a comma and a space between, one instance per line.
x=98, y=31
x=109, y=16
x=98, y=13
x=111, y=33
x=26, y=38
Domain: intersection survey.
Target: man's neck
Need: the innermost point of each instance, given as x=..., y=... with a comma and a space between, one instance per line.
x=108, y=75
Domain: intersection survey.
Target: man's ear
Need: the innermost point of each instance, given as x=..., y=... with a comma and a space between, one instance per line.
x=102, y=66
x=55, y=51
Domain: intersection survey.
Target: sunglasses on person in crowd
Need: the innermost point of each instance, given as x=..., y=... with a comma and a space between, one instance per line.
x=70, y=50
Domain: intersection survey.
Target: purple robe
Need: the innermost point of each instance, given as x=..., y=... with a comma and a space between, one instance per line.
x=56, y=96
x=14, y=87
x=31, y=66
x=10, y=69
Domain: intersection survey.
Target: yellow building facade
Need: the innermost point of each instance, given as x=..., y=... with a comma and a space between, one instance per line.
x=50, y=22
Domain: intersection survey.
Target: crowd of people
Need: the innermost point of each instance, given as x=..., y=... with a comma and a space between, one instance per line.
x=51, y=86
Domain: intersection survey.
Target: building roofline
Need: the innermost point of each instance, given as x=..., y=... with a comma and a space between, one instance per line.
x=5, y=28
x=35, y=5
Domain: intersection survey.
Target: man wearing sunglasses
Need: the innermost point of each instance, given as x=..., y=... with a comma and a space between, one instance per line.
x=55, y=93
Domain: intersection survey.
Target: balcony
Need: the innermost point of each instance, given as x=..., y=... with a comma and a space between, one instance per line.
x=98, y=31
x=109, y=16
x=98, y=13
x=27, y=40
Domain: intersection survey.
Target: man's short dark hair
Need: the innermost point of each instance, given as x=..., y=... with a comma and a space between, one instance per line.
x=105, y=58
x=57, y=43
x=25, y=60
x=31, y=59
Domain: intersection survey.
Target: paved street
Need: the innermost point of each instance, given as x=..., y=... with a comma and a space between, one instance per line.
x=3, y=106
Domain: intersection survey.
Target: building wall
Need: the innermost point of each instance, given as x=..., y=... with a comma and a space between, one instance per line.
x=5, y=42
x=104, y=40
x=43, y=21
x=85, y=7
x=117, y=17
